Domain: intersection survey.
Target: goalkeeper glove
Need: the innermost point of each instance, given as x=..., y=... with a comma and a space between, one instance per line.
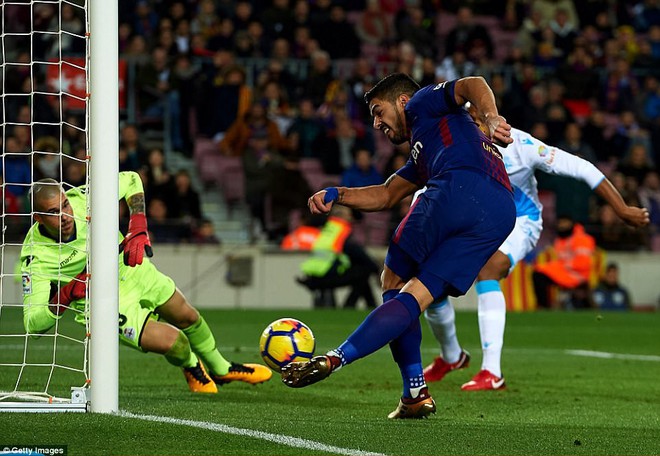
x=70, y=292
x=136, y=243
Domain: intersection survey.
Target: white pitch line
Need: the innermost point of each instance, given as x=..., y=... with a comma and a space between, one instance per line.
x=606, y=355
x=275, y=438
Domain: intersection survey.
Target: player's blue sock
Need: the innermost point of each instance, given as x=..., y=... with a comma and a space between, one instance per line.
x=405, y=351
x=382, y=325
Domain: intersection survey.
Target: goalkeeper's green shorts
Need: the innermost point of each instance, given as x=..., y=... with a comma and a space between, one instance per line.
x=141, y=290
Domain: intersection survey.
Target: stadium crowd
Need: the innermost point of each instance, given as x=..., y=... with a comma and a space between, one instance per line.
x=275, y=87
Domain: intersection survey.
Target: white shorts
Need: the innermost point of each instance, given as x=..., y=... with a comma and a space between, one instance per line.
x=522, y=239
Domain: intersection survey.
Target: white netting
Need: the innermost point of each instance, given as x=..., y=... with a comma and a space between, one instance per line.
x=44, y=68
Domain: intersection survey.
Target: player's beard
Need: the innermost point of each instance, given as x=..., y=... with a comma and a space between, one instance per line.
x=399, y=131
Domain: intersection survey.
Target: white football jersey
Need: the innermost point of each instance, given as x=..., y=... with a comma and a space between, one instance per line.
x=527, y=154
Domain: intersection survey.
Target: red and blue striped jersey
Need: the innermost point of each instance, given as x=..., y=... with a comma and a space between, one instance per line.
x=444, y=137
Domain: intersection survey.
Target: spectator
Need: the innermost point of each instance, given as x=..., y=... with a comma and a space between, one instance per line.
x=649, y=196
x=620, y=88
x=15, y=167
x=307, y=133
x=337, y=36
x=574, y=249
x=564, y=30
x=574, y=144
x=159, y=182
x=258, y=161
x=278, y=20
x=255, y=122
x=615, y=235
x=129, y=139
x=162, y=228
x=223, y=97
x=548, y=10
x=158, y=95
x=609, y=294
x=362, y=173
x=187, y=204
x=636, y=164
x=319, y=78
x=592, y=132
x=414, y=31
x=205, y=233
x=374, y=26
x=288, y=191
x=469, y=37
x=629, y=132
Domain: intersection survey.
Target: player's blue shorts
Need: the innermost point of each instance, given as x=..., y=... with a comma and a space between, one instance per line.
x=451, y=231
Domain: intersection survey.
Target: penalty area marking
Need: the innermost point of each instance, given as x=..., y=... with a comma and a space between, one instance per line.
x=295, y=442
x=606, y=355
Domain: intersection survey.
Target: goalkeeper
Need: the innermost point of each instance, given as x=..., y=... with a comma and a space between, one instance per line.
x=154, y=316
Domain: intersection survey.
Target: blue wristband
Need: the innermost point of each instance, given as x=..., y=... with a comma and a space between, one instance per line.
x=331, y=194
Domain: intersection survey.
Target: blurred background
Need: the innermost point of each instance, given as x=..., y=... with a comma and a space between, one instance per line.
x=234, y=112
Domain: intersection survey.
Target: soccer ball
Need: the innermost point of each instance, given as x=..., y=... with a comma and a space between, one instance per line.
x=284, y=341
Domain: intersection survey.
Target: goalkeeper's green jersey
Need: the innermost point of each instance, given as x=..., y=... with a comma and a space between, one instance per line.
x=46, y=262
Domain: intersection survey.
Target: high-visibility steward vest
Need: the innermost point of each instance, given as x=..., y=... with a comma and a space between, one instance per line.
x=302, y=238
x=574, y=258
x=327, y=251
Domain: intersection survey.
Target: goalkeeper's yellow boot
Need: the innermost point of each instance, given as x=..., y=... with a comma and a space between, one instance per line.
x=300, y=374
x=420, y=407
x=198, y=380
x=248, y=373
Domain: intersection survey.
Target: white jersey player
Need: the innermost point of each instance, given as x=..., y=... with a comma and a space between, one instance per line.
x=522, y=158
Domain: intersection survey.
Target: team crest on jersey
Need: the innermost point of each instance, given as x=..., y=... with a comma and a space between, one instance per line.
x=129, y=333
x=27, y=284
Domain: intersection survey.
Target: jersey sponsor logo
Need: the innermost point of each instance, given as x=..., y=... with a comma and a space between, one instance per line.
x=492, y=149
x=416, y=150
x=68, y=259
x=27, y=284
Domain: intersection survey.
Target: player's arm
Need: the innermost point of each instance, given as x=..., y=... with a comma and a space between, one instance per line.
x=633, y=216
x=37, y=314
x=369, y=199
x=475, y=89
x=136, y=243
x=566, y=164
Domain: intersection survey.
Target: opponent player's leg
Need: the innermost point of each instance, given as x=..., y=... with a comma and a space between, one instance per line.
x=178, y=311
x=491, y=310
x=441, y=318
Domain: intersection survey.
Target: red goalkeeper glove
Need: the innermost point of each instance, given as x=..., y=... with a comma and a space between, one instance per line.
x=70, y=292
x=136, y=243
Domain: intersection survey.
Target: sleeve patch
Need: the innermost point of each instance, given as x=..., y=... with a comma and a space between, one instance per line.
x=27, y=284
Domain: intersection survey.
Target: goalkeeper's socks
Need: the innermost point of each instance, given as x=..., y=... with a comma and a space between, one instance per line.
x=180, y=354
x=202, y=343
x=382, y=325
x=405, y=351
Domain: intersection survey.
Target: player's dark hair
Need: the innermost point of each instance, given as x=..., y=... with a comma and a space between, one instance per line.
x=391, y=86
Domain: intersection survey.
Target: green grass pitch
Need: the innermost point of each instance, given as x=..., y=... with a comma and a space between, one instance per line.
x=557, y=402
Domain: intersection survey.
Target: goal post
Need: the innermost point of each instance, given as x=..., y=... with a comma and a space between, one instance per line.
x=103, y=56
x=71, y=367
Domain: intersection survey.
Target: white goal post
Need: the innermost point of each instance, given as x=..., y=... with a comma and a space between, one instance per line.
x=96, y=343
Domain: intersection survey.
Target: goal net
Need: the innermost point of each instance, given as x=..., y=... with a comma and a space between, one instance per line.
x=45, y=48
